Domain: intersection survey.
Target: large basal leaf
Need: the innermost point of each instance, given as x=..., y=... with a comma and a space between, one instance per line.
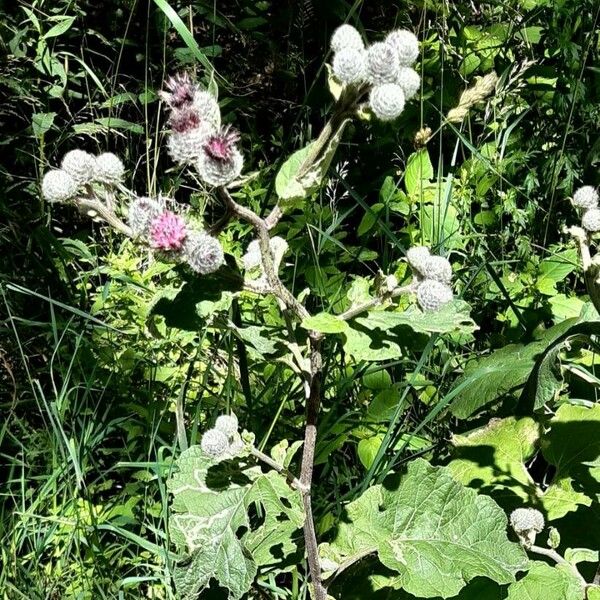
x=573, y=446
x=508, y=369
x=435, y=533
x=492, y=459
x=544, y=582
x=211, y=524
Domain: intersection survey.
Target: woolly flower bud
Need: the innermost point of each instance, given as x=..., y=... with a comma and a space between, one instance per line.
x=346, y=36
x=205, y=104
x=186, y=147
x=108, y=168
x=214, y=443
x=387, y=101
x=523, y=520
x=58, y=186
x=437, y=268
x=202, y=252
x=406, y=45
x=167, y=231
x=585, y=197
x=79, y=165
x=591, y=220
x=350, y=65
x=141, y=213
x=432, y=295
x=220, y=161
x=382, y=63
x=228, y=424
x=416, y=257
x=409, y=80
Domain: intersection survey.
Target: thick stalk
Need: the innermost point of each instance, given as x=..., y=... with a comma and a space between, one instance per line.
x=308, y=458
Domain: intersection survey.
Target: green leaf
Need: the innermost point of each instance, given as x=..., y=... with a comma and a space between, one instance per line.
x=555, y=269
x=367, y=450
x=115, y=123
x=209, y=522
x=578, y=555
x=325, y=323
x=41, y=123
x=419, y=171
x=435, y=533
x=572, y=446
x=61, y=27
x=492, y=459
x=440, y=223
x=544, y=582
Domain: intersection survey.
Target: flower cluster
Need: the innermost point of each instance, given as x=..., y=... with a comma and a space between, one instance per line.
x=433, y=278
x=78, y=169
x=224, y=440
x=196, y=135
x=586, y=198
x=167, y=232
x=526, y=523
x=385, y=66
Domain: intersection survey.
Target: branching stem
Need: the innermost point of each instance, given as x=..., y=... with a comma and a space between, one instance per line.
x=559, y=560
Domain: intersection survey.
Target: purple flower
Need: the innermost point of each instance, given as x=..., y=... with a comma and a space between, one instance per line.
x=222, y=145
x=180, y=91
x=167, y=231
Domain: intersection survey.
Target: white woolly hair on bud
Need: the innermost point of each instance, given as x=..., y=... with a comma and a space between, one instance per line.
x=79, y=165
x=406, y=45
x=416, y=257
x=585, y=197
x=108, y=169
x=526, y=519
x=186, y=147
x=437, y=268
x=206, y=105
x=214, y=443
x=202, y=252
x=591, y=220
x=220, y=172
x=58, y=186
x=350, y=65
x=410, y=82
x=382, y=63
x=387, y=101
x=228, y=424
x=346, y=36
x=432, y=294
x=141, y=213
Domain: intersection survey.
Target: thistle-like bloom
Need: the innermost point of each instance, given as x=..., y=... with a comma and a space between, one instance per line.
x=79, y=165
x=417, y=257
x=141, y=213
x=432, y=295
x=186, y=147
x=387, y=101
x=207, y=108
x=202, y=252
x=526, y=523
x=350, y=65
x=409, y=80
x=220, y=161
x=585, y=197
x=167, y=231
x=214, y=443
x=108, y=169
x=382, y=63
x=406, y=45
x=228, y=424
x=591, y=220
x=346, y=36
x=437, y=268
x=180, y=91
x=58, y=186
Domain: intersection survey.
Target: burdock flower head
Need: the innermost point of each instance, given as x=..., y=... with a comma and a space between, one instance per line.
x=180, y=91
x=220, y=161
x=167, y=231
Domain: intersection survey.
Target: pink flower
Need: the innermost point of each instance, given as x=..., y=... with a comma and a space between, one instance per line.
x=184, y=119
x=167, y=231
x=220, y=146
x=180, y=92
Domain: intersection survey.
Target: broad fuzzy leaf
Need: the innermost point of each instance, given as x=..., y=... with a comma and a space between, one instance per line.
x=210, y=522
x=435, y=533
x=544, y=582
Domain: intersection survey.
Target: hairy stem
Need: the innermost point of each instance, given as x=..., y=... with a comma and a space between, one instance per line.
x=354, y=311
x=94, y=205
x=308, y=458
x=292, y=480
x=559, y=560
